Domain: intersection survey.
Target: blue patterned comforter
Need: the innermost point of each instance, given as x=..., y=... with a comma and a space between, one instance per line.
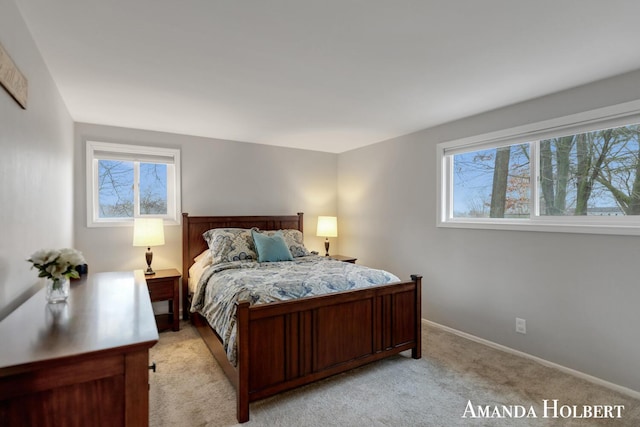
x=221, y=285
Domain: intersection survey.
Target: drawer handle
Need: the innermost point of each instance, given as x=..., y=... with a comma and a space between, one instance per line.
x=152, y=367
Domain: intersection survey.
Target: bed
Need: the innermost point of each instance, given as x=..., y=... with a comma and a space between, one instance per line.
x=286, y=344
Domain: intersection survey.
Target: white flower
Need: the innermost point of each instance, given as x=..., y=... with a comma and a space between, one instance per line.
x=57, y=264
x=56, y=271
x=44, y=256
x=71, y=257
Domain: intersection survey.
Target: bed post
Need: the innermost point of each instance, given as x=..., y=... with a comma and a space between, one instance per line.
x=301, y=222
x=242, y=366
x=185, y=266
x=416, y=352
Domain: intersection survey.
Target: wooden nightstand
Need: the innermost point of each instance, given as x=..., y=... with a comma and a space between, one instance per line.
x=343, y=258
x=163, y=286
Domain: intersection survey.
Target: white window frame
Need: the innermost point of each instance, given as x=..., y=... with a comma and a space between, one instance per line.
x=602, y=118
x=137, y=153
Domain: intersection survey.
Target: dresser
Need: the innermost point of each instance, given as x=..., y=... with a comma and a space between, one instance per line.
x=80, y=363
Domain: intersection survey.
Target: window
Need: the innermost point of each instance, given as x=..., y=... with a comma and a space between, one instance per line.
x=129, y=181
x=578, y=174
x=492, y=183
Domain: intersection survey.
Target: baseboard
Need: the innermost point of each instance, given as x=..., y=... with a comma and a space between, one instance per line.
x=624, y=390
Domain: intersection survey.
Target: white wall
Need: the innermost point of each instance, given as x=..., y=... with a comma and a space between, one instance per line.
x=36, y=166
x=218, y=178
x=579, y=293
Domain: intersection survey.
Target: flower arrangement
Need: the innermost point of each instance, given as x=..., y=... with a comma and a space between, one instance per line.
x=57, y=264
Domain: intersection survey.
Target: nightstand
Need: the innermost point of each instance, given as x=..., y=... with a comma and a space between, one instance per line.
x=343, y=258
x=164, y=285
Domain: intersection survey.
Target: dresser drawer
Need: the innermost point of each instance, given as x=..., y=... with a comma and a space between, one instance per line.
x=160, y=290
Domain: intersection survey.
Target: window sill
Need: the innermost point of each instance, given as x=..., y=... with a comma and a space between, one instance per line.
x=125, y=222
x=550, y=226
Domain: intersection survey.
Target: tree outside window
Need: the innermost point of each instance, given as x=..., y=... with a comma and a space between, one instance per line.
x=117, y=184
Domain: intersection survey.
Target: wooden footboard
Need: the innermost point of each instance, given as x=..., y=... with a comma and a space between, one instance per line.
x=285, y=345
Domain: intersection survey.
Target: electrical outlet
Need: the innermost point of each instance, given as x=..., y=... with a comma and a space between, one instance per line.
x=521, y=326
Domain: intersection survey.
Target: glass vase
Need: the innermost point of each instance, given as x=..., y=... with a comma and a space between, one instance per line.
x=57, y=290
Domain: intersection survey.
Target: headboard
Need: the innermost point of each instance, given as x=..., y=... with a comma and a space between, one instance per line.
x=193, y=243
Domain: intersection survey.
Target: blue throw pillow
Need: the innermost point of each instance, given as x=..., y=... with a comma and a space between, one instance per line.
x=271, y=248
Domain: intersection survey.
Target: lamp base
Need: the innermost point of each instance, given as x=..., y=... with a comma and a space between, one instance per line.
x=149, y=258
x=326, y=246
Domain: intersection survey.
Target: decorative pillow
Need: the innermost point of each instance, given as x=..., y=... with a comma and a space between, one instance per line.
x=271, y=248
x=294, y=240
x=230, y=244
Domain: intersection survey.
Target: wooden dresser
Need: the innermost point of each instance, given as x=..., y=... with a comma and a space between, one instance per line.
x=80, y=363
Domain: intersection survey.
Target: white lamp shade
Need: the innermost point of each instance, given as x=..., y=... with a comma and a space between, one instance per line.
x=148, y=232
x=327, y=226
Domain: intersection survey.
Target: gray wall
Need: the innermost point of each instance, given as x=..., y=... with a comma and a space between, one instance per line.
x=218, y=178
x=578, y=292
x=36, y=167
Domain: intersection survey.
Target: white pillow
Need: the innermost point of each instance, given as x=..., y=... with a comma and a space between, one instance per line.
x=205, y=254
x=201, y=262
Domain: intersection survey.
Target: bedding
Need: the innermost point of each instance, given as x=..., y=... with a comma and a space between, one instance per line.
x=222, y=284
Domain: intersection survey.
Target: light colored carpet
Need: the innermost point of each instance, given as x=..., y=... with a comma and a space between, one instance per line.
x=190, y=389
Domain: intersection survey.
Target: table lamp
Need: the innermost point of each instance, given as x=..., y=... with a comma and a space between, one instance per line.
x=148, y=232
x=327, y=227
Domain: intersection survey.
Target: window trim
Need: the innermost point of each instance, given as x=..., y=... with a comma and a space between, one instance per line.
x=95, y=150
x=602, y=118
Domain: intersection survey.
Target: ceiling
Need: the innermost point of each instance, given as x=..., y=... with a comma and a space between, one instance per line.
x=327, y=75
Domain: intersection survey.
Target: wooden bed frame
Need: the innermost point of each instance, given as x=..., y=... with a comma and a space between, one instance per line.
x=288, y=344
